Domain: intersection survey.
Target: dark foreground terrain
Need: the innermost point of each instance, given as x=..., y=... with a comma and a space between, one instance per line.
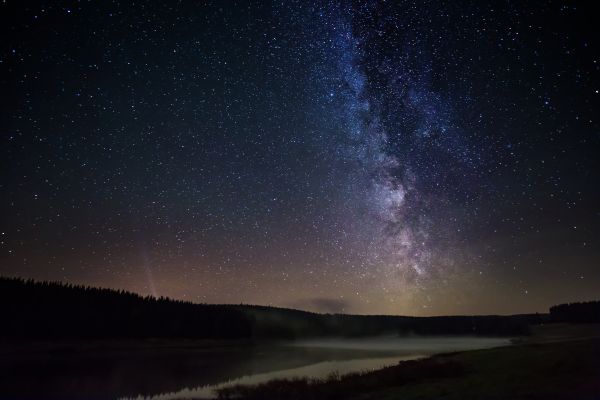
x=65, y=342
x=559, y=361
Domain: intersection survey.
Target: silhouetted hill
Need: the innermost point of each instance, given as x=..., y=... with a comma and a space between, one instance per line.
x=582, y=312
x=286, y=323
x=31, y=309
x=49, y=310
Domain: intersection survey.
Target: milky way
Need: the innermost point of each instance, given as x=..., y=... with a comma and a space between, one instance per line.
x=367, y=157
x=378, y=193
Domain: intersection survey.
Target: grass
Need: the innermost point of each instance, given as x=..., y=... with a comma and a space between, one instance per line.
x=557, y=362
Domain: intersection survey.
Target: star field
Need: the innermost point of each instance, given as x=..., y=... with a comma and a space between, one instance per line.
x=364, y=157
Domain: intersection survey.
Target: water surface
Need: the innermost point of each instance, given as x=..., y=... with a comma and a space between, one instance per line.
x=193, y=371
x=340, y=356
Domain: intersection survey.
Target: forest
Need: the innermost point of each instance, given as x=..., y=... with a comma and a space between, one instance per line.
x=51, y=310
x=580, y=312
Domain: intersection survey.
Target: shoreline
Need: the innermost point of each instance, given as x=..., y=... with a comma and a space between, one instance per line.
x=557, y=361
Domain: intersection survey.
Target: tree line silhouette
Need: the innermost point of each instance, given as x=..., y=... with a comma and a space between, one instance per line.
x=290, y=324
x=32, y=309
x=581, y=312
x=50, y=310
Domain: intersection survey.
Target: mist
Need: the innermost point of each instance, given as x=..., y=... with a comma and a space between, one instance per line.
x=409, y=344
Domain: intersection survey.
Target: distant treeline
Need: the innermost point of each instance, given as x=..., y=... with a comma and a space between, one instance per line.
x=48, y=310
x=30, y=309
x=286, y=323
x=583, y=312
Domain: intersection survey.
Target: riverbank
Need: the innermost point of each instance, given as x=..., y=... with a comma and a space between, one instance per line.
x=556, y=362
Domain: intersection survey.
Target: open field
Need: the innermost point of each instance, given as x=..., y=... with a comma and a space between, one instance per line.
x=556, y=362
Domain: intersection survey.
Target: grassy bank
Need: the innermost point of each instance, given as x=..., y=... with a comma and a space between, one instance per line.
x=557, y=362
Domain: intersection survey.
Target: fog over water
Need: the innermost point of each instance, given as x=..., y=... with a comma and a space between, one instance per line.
x=425, y=345
x=319, y=358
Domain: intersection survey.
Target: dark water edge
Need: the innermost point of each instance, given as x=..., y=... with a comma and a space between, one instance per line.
x=117, y=369
x=113, y=370
x=559, y=361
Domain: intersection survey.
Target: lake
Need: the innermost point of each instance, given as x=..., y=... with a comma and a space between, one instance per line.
x=181, y=371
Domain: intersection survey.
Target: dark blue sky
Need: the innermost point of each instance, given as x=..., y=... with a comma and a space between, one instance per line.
x=362, y=157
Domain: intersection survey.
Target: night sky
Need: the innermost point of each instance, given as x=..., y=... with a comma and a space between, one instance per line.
x=404, y=157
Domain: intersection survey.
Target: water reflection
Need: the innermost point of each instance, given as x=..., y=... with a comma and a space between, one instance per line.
x=318, y=370
x=169, y=372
